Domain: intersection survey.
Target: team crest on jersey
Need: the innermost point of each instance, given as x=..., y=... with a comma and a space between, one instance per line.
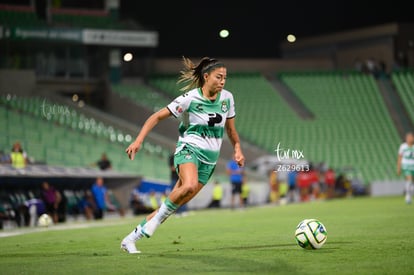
x=179, y=109
x=199, y=107
x=224, y=106
x=188, y=156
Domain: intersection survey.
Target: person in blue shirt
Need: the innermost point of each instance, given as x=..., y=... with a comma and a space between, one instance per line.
x=236, y=177
x=291, y=180
x=100, y=195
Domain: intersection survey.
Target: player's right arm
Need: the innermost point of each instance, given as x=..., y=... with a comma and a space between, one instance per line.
x=149, y=124
x=399, y=159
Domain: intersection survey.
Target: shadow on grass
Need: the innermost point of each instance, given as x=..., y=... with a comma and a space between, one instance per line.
x=248, y=259
x=332, y=246
x=223, y=263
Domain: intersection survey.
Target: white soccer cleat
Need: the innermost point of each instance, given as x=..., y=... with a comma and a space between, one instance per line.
x=129, y=246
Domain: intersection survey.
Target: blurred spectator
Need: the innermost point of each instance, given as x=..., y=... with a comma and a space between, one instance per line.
x=245, y=193
x=115, y=205
x=21, y=213
x=304, y=182
x=236, y=176
x=283, y=192
x=273, y=186
x=382, y=68
x=137, y=204
x=153, y=200
x=104, y=163
x=314, y=182
x=329, y=181
x=357, y=187
x=6, y=213
x=4, y=157
x=217, y=195
x=3, y=215
x=87, y=205
x=52, y=199
x=72, y=201
x=342, y=186
x=18, y=156
x=101, y=197
x=373, y=66
x=358, y=64
x=291, y=181
x=31, y=211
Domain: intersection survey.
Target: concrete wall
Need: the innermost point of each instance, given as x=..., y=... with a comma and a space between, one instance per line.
x=379, y=52
x=265, y=66
x=387, y=188
x=19, y=82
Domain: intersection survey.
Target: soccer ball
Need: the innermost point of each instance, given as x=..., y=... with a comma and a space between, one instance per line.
x=44, y=220
x=311, y=234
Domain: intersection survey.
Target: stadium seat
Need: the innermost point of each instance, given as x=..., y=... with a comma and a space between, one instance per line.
x=72, y=139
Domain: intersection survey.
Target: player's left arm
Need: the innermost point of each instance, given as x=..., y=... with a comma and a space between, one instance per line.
x=235, y=141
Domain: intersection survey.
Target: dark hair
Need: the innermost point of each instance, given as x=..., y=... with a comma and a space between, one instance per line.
x=193, y=74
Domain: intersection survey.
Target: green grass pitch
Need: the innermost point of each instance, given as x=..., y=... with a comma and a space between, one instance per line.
x=365, y=236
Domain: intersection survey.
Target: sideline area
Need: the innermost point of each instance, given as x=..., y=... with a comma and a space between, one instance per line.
x=70, y=224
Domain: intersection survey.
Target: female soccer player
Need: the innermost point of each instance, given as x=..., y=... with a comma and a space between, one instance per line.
x=206, y=109
x=405, y=163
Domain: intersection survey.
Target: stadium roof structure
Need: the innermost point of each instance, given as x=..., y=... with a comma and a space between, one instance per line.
x=79, y=26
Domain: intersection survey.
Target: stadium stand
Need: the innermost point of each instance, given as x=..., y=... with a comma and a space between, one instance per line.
x=141, y=95
x=351, y=127
x=404, y=84
x=345, y=125
x=62, y=141
x=166, y=83
x=45, y=126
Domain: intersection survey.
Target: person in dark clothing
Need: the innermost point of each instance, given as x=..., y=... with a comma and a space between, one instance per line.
x=104, y=163
x=51, y=198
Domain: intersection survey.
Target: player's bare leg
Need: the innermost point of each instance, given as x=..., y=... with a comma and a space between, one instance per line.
x=185, y=189
x=408, y=189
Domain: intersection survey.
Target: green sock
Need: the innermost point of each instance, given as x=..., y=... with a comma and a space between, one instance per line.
x=172, y=206
x=144, y=221
x=166, y=209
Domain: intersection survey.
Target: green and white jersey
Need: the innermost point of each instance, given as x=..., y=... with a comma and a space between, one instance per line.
x=202, y=122
x=407, y=153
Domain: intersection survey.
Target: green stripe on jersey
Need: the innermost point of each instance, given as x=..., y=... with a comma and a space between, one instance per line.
x=206, y=131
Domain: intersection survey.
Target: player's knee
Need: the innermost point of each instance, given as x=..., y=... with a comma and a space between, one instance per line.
x=189, y=188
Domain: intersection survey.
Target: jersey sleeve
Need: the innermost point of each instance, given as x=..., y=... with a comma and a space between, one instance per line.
x=401, y=149
x=179, y=105
x=232, y=109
